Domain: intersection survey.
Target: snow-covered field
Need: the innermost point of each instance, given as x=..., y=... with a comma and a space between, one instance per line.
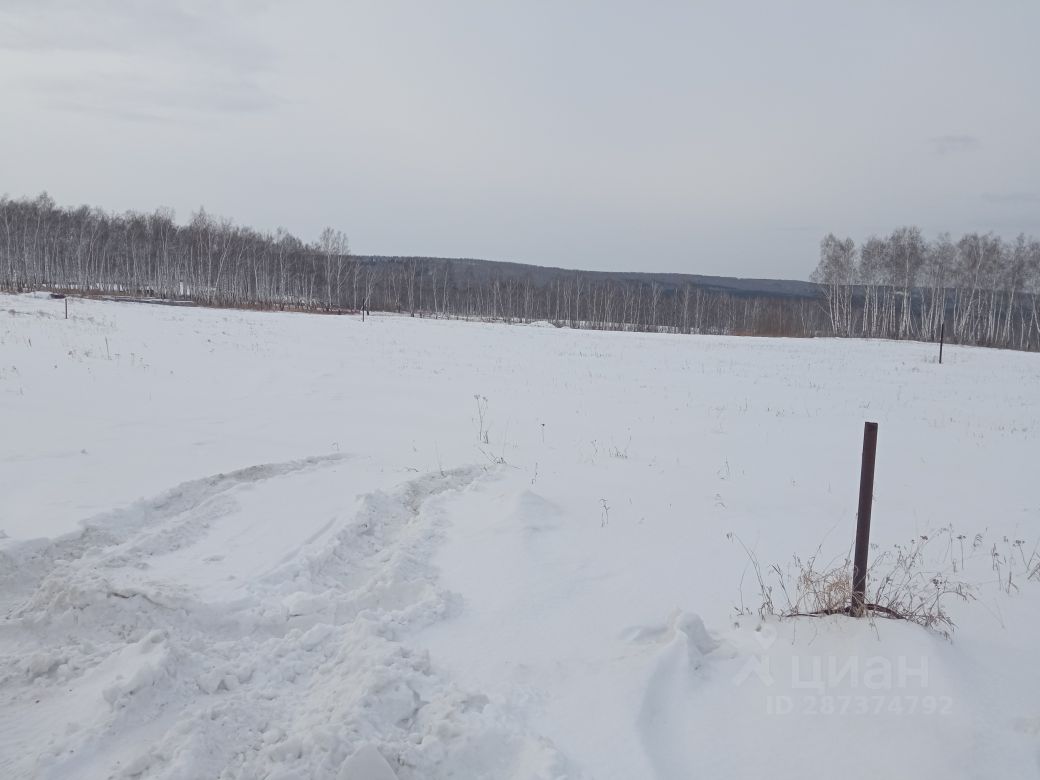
x=259, y=545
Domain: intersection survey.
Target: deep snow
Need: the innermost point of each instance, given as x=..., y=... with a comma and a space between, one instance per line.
x=263, y=545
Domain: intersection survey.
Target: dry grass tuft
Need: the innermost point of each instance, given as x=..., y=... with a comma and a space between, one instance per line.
x=900, y=586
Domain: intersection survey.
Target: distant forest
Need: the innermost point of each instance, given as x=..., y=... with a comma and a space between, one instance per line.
x=978, y=289
x=895, y=287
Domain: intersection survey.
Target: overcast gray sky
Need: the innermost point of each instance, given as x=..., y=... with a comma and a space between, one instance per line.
x=721, y=138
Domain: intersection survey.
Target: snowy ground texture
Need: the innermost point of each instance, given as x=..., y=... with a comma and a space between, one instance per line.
x=254, y=545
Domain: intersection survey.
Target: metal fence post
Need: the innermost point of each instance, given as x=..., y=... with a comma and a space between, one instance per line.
x=866, y=498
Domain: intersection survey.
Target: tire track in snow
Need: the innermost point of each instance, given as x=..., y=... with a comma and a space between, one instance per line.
x=23, y=565
x=134, y=675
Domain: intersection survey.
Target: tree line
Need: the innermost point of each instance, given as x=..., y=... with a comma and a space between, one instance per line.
x=979, y=289
x=212, y=261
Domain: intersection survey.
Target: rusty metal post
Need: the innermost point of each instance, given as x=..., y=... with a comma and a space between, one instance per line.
x=942, y=335
x=866, y=499
x=66, y=307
